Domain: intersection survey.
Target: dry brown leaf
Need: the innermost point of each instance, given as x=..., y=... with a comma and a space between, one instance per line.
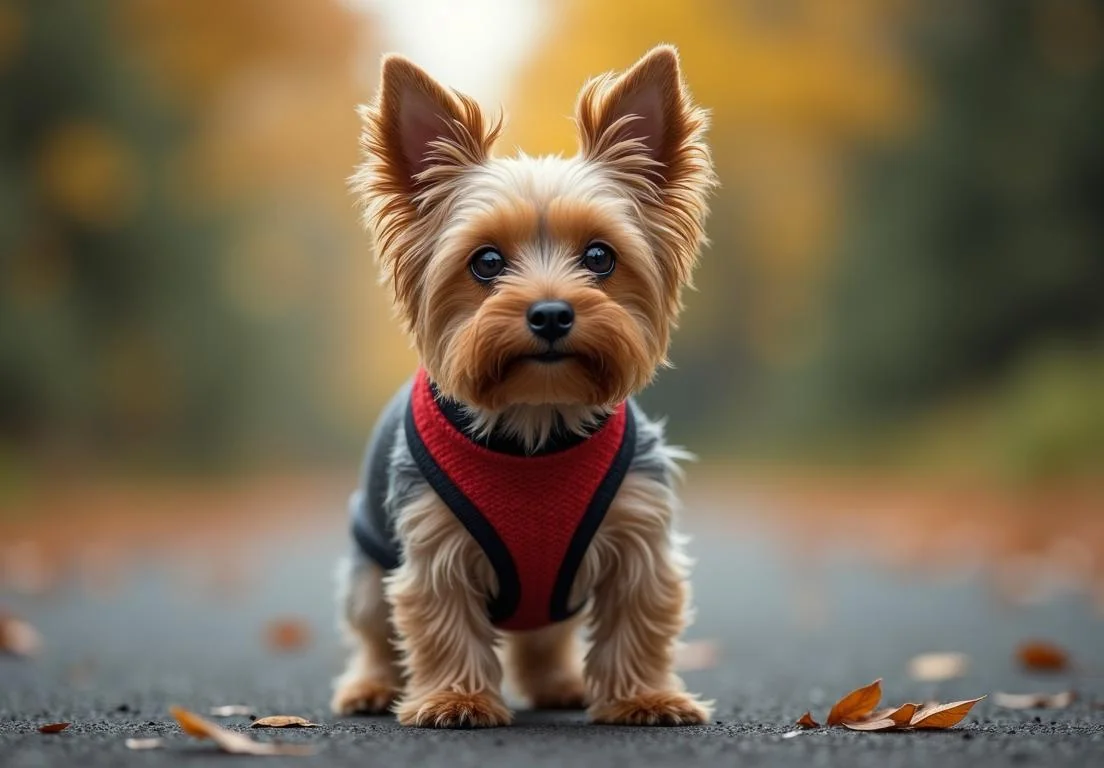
x=140, y=744
x=283, y=721
x=887, y=719
x=943, y=715
x=286, y=635
x=1034, y=700
x=191, y=723
x=807, y=721
x=937, y=667
x=697, y=655
x=53, y=728
x=231, y=710
x=856, y=705
x=901, y=715
x=1041, y=656
x=17, y=637
x=881, y=724
x=229, y=741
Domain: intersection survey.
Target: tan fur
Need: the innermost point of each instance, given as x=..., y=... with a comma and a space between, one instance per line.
x=439, y=599
x=432, y=194
x=640, y=605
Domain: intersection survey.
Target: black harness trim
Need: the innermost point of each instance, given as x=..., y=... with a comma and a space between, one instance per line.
x=592, y=519
x=503, y=605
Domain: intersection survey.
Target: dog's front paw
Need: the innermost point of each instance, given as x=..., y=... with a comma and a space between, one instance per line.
x=567, y=692
x=653, y=708
x=452, y=709
x=362, y=696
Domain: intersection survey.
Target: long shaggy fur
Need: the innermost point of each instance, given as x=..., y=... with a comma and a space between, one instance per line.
x=432, y=194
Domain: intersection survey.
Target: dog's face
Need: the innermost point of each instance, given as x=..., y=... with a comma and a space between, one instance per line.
x=537, y=280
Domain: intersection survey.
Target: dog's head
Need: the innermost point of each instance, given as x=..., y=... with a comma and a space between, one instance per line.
x=534, y=281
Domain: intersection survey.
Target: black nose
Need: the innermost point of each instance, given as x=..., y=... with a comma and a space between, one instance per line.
x=550, y=320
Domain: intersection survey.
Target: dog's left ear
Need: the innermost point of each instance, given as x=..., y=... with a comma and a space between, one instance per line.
x=643, y=127
x=418, y=132
x=644, y=113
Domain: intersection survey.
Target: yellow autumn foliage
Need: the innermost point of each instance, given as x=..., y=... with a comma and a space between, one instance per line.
x=791, y=86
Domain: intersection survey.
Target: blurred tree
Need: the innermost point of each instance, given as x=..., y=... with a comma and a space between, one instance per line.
x=112, y=333
x=273, y=89
x=171, y=210
x=982, y=239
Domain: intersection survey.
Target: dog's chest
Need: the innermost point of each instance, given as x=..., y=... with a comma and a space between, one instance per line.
x=533, y=516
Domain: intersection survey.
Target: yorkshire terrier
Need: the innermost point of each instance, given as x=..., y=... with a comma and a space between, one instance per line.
x=513, y=491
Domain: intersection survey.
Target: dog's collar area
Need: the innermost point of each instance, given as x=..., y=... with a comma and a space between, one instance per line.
x=561, y=438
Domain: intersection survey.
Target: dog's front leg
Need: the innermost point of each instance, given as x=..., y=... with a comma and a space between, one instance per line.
x=439, y=599
x=638, y=611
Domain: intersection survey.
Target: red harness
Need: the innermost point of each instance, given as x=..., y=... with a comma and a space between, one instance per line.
x=534, y=516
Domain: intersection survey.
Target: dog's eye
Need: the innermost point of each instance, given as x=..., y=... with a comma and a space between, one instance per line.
x=487, y=264
x=599, y=259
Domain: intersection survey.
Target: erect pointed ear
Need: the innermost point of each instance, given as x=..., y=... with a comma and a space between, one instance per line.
x=643, y=127
x=416, y=124
x=648, y=104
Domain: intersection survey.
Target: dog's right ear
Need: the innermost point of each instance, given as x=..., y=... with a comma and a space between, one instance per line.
x=417, y=130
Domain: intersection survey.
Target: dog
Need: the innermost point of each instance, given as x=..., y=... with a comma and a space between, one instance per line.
x=513, y=491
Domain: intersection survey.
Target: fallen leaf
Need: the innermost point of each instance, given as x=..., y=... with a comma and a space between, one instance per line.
x=791, y=734
x=1041, y=656
x=856, y=705
x=231, y=710
x=17, y=637
x=937, y=667
x=287, y=634
x=807, y=721
x=191, y=723
x=53, y=728
x=881, y=724
x=1034, y=700
x=139, y=744
x=230, y=741
x=696, y=655
x=283, y=721
x=943, y=715
x=887, y=719
x=901, y=715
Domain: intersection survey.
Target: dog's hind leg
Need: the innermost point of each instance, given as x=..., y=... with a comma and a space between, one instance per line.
x=372, y=679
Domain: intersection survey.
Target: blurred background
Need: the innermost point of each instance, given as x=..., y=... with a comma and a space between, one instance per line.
x=902, y=308
x=892, y=368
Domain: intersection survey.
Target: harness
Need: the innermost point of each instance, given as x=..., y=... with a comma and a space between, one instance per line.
x=533, y=515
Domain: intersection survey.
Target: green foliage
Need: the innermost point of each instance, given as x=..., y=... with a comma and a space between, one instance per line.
x=1049, y=418
x=978, y=239
x=115, y=335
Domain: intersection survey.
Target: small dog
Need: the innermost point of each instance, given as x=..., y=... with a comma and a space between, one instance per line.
x=513, y=491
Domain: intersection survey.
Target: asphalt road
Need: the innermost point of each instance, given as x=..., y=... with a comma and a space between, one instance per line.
x=793, y=635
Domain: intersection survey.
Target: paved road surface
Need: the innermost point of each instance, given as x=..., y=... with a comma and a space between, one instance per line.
x=170, y=634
